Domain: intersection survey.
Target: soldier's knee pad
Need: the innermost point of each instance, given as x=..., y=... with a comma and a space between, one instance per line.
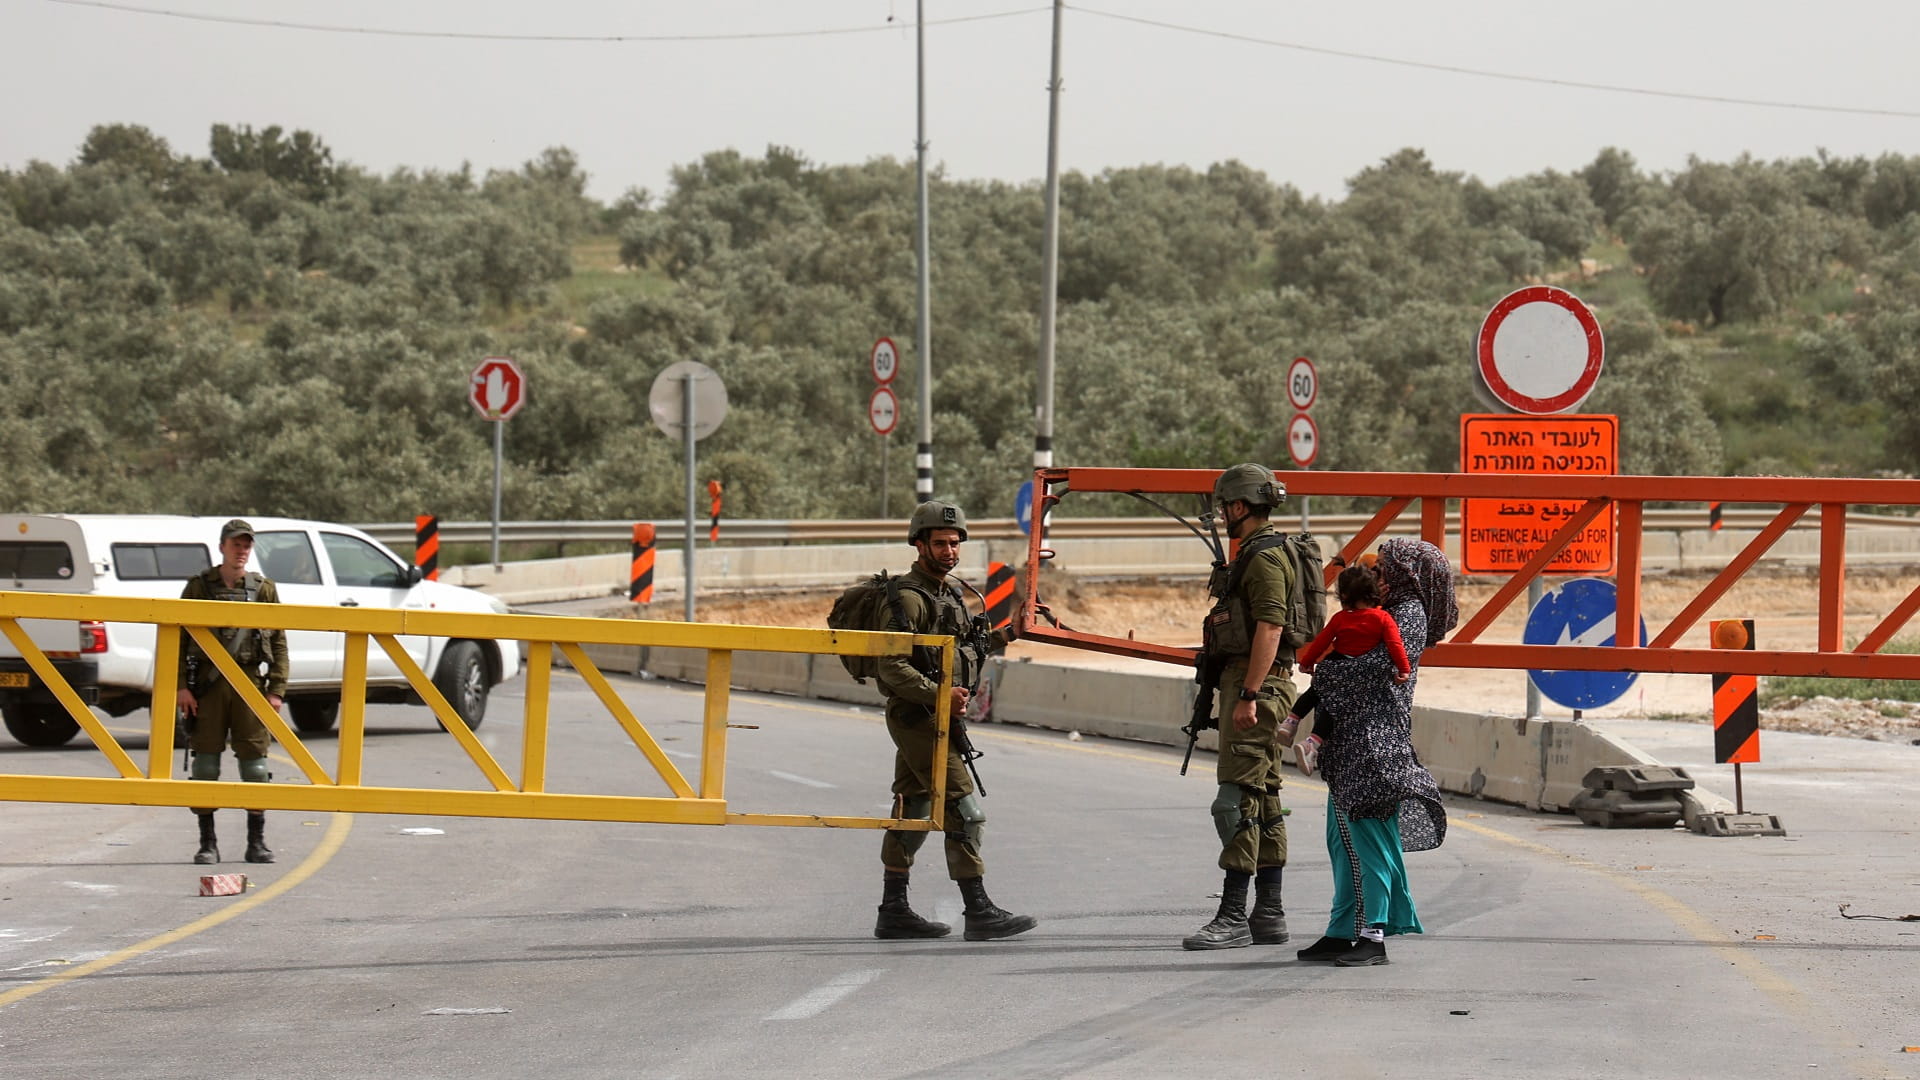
x=206, y=766
x=917, y=806
x=972, y=819
x=1235, y=809
x=254, y=770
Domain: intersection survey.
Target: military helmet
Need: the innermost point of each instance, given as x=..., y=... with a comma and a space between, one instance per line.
x=935, y=515
x=1252, y=484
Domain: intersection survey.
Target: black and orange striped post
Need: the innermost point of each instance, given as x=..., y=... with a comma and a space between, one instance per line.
x=426, y=546
x=1736, y=707
x=713, y=529
x=999, y=595
x=640, y=582
x=1713, y=516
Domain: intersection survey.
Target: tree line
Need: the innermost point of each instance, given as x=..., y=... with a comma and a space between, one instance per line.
x=267, y=330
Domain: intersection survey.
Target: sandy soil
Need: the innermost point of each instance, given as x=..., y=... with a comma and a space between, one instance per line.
x=1783, y=605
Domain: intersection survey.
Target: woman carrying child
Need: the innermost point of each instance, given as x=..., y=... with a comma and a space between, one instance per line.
x=1381, y=801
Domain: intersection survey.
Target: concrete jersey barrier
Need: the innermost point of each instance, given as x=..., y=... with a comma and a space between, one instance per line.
x=1537, y=764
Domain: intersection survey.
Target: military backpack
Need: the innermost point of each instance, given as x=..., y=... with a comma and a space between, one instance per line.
x=872, y=603
x=1306, y=602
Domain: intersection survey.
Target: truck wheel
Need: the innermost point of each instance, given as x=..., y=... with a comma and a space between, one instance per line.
x=462, y=680
x=314, y=715
x=40, y=724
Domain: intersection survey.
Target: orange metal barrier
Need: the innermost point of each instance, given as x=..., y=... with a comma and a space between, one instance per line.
x=1625, y=498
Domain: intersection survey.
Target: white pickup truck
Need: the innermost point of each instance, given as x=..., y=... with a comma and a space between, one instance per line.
x=111, y=664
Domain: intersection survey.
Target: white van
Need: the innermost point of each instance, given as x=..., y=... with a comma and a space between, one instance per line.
x=111, y=664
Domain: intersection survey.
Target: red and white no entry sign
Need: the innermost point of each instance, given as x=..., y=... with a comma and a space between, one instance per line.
x=1539, y=351
x=1303, y=383
x=1303, y=440
x=883, y=410
x=498, y=388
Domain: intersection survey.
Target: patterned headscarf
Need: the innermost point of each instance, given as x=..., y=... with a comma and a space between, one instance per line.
x=1416, y=566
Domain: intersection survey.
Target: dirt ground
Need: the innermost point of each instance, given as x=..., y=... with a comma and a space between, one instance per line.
x=1782, y=603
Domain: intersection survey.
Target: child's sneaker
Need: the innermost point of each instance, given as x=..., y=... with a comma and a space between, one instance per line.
x=1288, y=728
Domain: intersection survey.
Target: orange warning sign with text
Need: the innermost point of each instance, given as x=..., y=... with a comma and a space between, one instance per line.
x=1500, y=535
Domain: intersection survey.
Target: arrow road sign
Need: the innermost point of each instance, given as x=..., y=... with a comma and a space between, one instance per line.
x=498, y=388
x=1581, y=612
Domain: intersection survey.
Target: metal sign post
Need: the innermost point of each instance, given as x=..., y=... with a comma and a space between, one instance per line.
x=688, y=401
x=499, y=455
x=1303, y=435
x=497, y=389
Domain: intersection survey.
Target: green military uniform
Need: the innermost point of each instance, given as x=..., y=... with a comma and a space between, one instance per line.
x=1247, y=814
x=911, y=698
x=223, y=715
x=220, y=715
x=1251, y=596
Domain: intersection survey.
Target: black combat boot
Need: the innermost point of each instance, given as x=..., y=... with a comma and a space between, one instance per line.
x=897, y=920
x=209, y=852
x=1268, y=921
x=1228, y=930
x=987, y=920
x=257, y=849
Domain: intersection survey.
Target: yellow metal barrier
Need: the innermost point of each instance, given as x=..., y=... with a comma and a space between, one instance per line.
x=342, y=790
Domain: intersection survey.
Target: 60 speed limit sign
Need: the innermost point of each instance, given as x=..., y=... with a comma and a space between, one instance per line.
x=1303, y=383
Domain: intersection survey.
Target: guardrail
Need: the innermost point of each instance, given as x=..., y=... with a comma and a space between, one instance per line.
x=342, y=789
x=872, y=530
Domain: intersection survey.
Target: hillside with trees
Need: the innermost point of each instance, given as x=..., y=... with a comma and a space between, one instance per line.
x=266, y=330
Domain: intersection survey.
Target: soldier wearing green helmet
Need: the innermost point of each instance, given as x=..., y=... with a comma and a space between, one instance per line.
x=1255, y=688
x=929, y=605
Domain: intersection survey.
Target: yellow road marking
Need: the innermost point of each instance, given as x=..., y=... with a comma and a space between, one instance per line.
x=330, y=845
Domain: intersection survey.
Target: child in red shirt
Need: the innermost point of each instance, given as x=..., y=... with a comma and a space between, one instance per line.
x=1359, y=626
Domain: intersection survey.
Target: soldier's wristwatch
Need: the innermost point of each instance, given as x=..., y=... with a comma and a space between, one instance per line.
x=1249, y=695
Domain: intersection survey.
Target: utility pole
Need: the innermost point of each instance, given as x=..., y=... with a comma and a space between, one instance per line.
x=1049, y=268
x=923, y=339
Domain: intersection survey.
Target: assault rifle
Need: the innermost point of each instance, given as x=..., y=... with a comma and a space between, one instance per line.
x=978, y=640
x=1206, y=666
x=1206, y=672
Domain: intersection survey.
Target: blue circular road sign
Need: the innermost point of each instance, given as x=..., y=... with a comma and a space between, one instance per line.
x=1580, y=611
x=1023, y=508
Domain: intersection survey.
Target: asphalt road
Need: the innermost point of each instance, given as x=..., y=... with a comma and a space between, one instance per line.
x=383, y=946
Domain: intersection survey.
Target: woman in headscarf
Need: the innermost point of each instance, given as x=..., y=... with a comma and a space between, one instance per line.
x=1381, y=801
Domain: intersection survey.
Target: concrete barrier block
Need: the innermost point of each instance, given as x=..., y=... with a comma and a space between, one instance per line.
x=775, y=673
x=1122, y=705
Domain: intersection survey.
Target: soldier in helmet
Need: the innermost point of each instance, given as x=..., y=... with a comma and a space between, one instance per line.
x=216, y=713
x=929, y=605
x=1255, y=689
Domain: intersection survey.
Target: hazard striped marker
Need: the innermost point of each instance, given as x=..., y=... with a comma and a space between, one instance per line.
x=999, y=597
x=1736, y=702
x=640, y=582
x=426, y=546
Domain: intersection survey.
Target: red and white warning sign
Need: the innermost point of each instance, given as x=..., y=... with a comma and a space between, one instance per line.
x=883, y=410
x=1539, y=351
x=1303, y=439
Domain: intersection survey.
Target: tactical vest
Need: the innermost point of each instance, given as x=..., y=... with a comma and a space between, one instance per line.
x=247, y=646
x=1228, y=628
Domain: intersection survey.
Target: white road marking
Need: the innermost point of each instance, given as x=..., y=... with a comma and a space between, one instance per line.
x=90, y=886
x=807, y=780
x=681, y=754
x=823, y=997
